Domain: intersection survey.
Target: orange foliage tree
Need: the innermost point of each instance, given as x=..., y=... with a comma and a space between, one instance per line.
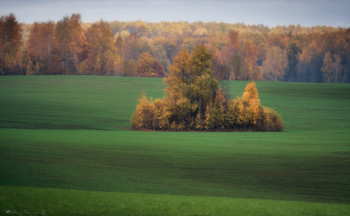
x=40, y=46
x=275, y=64
x=102, y=57
x=10, y=45
x=149, y=67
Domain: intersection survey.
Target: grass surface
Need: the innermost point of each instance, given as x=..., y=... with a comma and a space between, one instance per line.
x=37, y=201
x=72, y=102
x=69, y=132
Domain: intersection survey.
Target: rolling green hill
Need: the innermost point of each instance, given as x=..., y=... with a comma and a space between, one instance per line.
x=69, y=132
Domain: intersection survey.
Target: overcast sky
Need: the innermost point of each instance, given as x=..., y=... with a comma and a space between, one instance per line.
x=269, y=12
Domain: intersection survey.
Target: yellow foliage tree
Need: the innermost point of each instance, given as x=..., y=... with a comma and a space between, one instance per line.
x=246, y=112
x=143, y=116
x=251, y=103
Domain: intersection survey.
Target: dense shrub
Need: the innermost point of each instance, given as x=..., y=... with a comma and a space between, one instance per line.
x=270, y=120
x=144, y=115
x=195, y=101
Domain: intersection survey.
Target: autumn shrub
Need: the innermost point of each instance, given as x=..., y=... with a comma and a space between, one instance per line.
x=144, y=114
x=161, y=115
x=270, y=120
x=195, y=101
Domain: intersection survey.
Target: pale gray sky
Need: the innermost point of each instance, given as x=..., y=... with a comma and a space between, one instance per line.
x=267, y=12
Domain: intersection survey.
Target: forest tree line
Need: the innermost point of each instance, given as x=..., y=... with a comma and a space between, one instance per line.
x=239, y=51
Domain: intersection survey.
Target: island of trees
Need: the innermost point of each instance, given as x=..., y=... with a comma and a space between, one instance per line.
x=195, y=101
x=239, y=51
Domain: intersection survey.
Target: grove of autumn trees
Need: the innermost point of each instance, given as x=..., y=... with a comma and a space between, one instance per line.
x=195, y=101
x=239, y=51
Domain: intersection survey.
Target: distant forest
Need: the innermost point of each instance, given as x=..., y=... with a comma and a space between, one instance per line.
x=239, y=51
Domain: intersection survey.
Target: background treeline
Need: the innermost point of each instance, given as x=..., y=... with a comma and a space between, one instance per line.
x=239, y=51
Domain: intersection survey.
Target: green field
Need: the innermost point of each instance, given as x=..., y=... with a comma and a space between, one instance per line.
x=65, y=150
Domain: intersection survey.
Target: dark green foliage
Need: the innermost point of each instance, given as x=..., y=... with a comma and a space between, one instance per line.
x=293, y=52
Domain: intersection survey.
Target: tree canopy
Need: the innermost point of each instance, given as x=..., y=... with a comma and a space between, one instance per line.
x=240, y=52
x=195, y=101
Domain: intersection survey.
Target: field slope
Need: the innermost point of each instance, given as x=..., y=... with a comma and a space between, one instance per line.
x=69, y=133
